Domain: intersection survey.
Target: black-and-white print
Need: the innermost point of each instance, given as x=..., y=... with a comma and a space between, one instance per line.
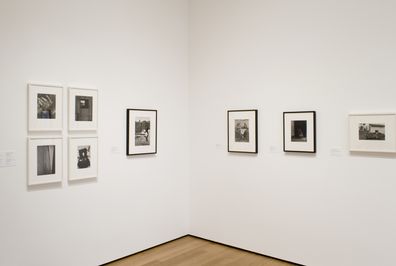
x=84, y=108
x=241, y=130
x=46, y=160
x=368, y=131
x=299, y=131
x=46, y=106
x=142, y=131
x=84, y=157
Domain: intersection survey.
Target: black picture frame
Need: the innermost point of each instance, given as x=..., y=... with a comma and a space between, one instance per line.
x=249, y=145
x=306, y=142
x=146, y=146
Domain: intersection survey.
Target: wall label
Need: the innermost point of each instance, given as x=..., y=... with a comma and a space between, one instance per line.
x=7, y=158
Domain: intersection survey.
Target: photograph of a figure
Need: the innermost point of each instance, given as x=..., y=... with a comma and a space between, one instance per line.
x=46, y=160
x=83, y=108
x=241, y=130
x=46, y=106
x=84, y=157
x=142, y=131
x=369, y=131
x=299, y=131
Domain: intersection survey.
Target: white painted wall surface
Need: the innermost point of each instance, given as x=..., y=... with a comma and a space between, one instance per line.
x=136, y=54
x=334, y=57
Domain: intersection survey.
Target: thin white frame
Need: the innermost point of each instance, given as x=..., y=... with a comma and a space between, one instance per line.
x=381, y=146
x=44, y=124
x=82, y=125
x=79, y=174
x=33, y=177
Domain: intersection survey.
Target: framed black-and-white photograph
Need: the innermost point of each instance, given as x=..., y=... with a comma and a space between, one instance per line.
x=141, y=131
x=83, y=109
x=45, y=160
x=372, y=132
x=83, y=158
x=45, y=107
x=299, y=131
x=242, y=131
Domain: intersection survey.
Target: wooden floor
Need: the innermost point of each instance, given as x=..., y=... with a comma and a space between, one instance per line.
x=191, y=251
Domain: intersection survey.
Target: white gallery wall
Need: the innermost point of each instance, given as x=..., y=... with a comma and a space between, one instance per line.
x=193, y=61
x=333, y=57
x=136, y=54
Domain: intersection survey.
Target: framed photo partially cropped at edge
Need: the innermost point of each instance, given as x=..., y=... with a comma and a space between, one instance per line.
x=242, y=131
x=83, y=109
x=372, y=132
x=45, y=107
x=299, y=131
x=141, y=132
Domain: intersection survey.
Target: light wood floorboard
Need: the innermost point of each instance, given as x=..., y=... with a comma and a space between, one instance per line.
x=192, y=251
